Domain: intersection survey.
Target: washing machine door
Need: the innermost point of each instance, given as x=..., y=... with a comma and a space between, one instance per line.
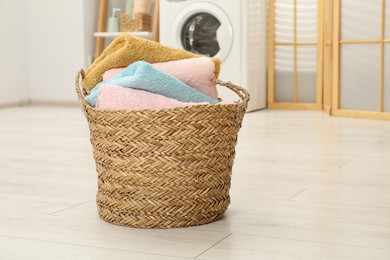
x=203, y=28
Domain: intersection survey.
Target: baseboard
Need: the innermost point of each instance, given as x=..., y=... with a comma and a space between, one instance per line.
x=12, y=104
x=25, y=103
x=54, y=103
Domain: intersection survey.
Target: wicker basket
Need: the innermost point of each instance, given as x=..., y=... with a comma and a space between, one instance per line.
x=164, y=168
x=140, y=23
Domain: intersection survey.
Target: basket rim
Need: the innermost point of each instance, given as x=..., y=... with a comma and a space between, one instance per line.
x=242, y=93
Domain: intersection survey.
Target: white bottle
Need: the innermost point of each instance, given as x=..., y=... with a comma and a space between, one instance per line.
x=129, y=8
x=113, y=21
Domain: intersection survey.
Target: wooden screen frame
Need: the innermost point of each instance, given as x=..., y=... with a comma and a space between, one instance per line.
x=336, y=110
x=328, y=56
x=271, y=61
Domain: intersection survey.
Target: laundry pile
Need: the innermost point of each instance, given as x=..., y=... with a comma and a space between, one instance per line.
x=133, y=73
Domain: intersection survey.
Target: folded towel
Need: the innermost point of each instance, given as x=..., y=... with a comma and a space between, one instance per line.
x=127, y=49
x=197, y=73
x=119, y=98
x=141, y=75
x=142, y=6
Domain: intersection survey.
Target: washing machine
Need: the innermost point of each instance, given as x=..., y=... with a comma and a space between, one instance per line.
x=233, y=30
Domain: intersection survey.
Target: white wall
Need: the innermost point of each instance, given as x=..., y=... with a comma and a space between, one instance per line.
x=13, y=52
x=43, y=44
x=58, y=46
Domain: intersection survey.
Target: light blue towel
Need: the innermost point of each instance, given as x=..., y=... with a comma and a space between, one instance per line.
x=142, y=75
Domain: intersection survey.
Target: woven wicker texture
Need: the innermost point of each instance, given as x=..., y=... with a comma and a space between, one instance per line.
x=140, y=23
x=164, y=168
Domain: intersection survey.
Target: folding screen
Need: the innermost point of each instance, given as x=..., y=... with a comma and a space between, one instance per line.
x=295, y=54
x=361, y=67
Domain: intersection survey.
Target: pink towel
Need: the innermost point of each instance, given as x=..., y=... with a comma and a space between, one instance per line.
x=197, y=73
x=120, y=98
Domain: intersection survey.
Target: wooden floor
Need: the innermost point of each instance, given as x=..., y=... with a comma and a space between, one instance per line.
x=304, y=186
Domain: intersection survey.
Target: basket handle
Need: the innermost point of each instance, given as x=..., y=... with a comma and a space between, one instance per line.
x=241, y=92
x=81, y=92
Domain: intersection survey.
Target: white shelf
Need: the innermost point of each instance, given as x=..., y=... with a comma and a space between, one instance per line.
x=146, y=35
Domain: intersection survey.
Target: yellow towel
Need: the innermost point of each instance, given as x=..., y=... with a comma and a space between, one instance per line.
x=127, y=49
